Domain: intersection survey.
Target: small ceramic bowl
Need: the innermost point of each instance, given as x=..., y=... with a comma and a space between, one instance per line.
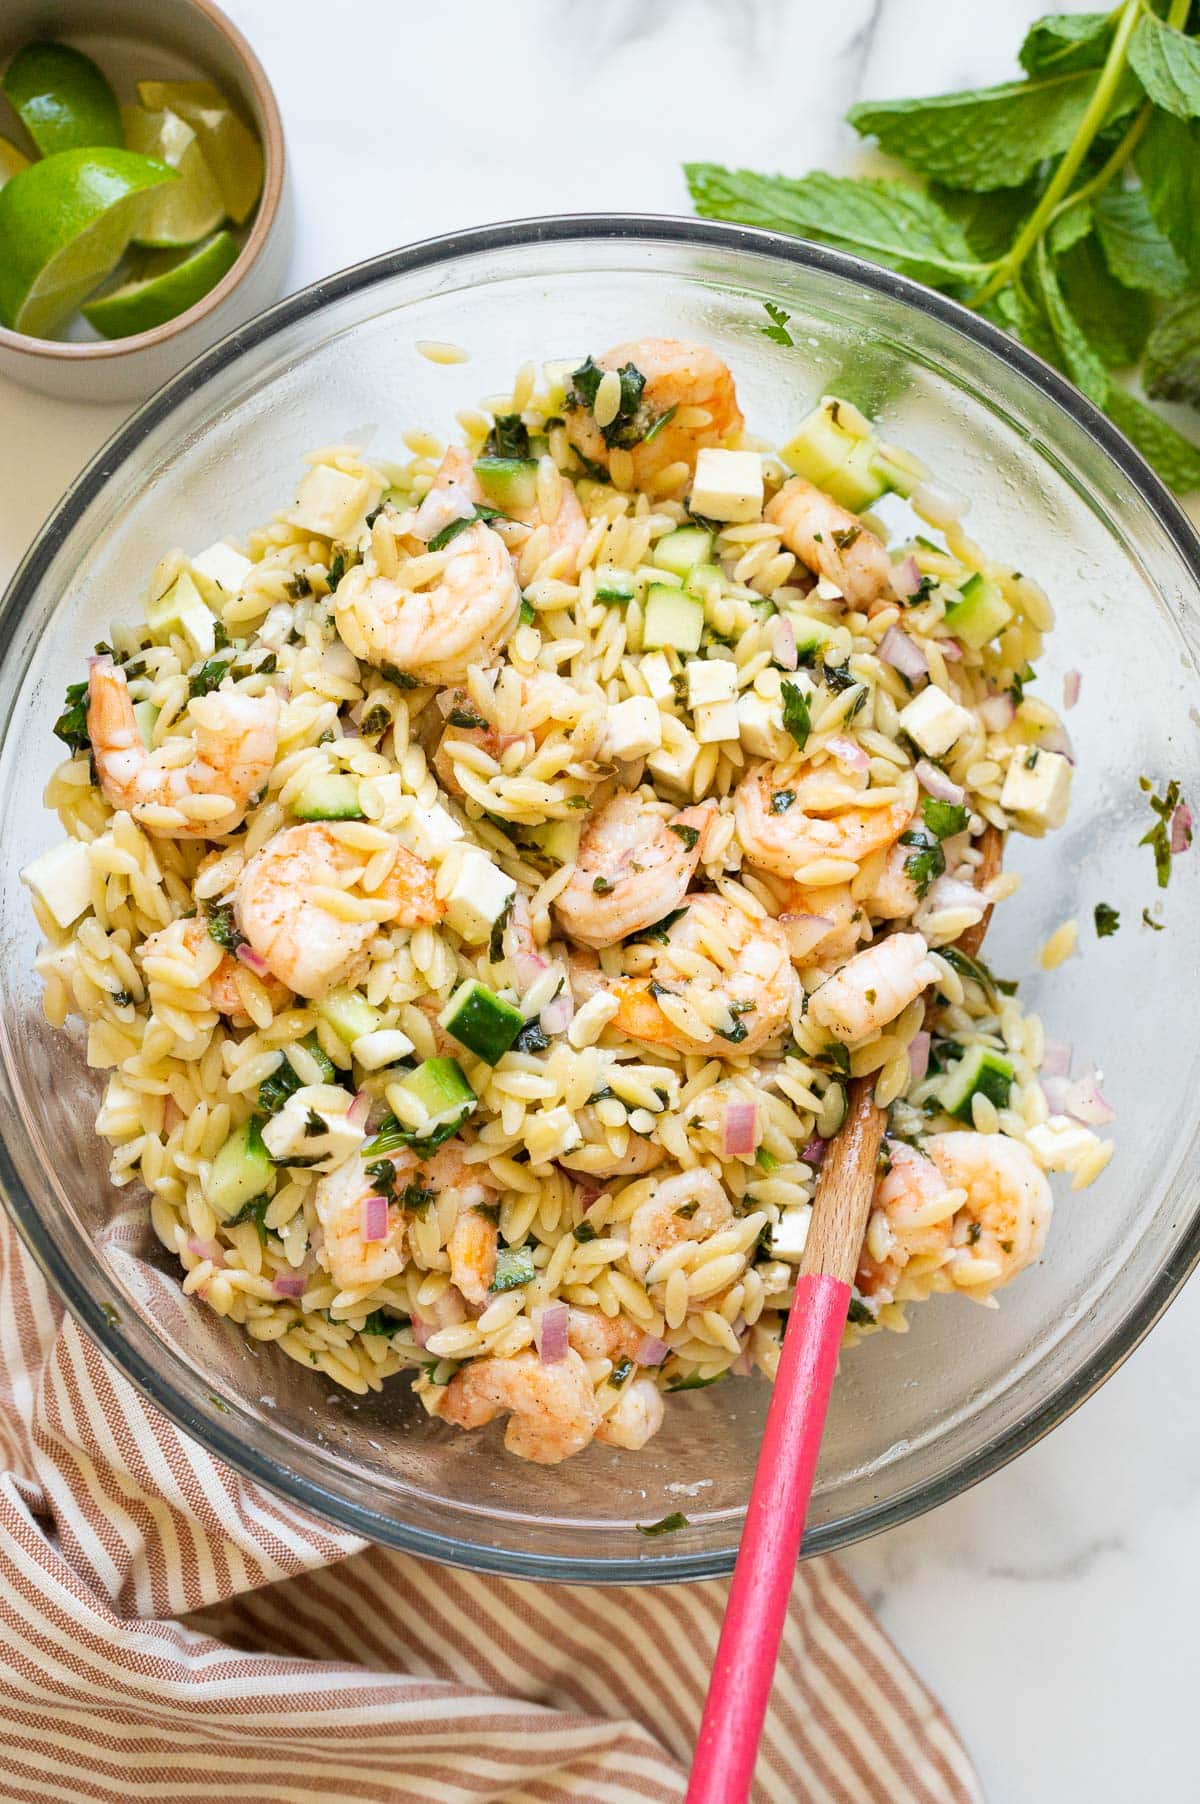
x=173, y=40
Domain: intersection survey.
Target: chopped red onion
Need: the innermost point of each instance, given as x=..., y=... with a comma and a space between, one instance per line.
x=804, y=933
x=918, y=1056
x=421, y=1330
x=374, y=1218
x=783, y=643
x=360, y=1109
x=253, y=961
x=743, y=1365
x=814, y=1152
x=558, y=1013
x=848, y=752
x=291, y=1284
x=906, y=578
x=936, y=783
x=903, y=654
x=1087, y=1103
x=1072, y=683
x=1181, y=828
x=1057, y=739
x=651, y=1351
x=550, y=1333
x=997, y=712
x=1056, y=1058
x=951, y=650
x=441, y=508
x=741, y=1130
x=1057, y=1091
x=206, y=1249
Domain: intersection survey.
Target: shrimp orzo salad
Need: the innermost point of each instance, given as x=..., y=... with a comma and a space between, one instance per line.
x=483, y=886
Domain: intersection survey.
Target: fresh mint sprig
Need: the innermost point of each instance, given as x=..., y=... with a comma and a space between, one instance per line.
x=1064, y=206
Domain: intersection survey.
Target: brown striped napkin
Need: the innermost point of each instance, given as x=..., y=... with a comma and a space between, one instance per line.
x=171, y=1632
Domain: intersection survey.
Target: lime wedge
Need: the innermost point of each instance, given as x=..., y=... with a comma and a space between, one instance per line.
x=186, y=210
x=230, y=148
x=64, y=224
x=63, y=100
x=160, y=286
x=12, y=161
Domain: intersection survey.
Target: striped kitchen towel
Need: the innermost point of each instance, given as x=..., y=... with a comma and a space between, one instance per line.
x=171, y=1632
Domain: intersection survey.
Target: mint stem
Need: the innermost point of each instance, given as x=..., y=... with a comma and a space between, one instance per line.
x=1092, y=121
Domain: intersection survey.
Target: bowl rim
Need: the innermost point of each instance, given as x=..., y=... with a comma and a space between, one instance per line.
x=104, y=350
x=655, y=1565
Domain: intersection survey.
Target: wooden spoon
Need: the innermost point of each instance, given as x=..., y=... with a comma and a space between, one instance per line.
x=740, y=1686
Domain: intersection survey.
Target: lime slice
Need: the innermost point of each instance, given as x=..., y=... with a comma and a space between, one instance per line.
x=63, y=100
x=188, y=209
x=161, y=286
x=230, y=148
x=64, y=225
x=12, y=161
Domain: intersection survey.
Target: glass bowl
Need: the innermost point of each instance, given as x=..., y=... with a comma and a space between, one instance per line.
x=1052, y=485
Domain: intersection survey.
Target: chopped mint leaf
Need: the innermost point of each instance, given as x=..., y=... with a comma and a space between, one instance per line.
x=1107, y=920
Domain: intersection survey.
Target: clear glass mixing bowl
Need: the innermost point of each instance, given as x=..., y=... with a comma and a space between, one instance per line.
x=1051, y=484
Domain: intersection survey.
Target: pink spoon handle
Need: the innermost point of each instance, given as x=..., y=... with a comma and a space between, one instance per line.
x=740, y=1686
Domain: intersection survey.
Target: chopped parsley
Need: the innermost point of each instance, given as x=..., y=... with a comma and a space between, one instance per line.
x=298, y=586
x=781, y=800
x=838, y=1056
x=403, y=679
x=1160, y=834
x=631, y=422
x=689, y=835
x=837, y=677
x=584, y=1232
x=509, y=437
x=737, y=1032
x=664, y=419
x=660, y=929
x=1107, y=920
x=417, y=1198
x=254, y=1211
x=668, y=1524
x=383, y=1175
x=337, y=569
x=777, y=331
x=532, y=1038
x=375, y=721
x=528, y=613
x=925, y=862
x=859, y=1314
x=71, y=725
x=465, y=717
x=796, y=715
x=223, y=928
x=380, y=1322
x=977, y=971
x=846, y=537
x=210, y=676
x=944, y=819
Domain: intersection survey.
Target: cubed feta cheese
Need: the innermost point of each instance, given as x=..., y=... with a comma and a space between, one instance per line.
x=934, y=721
x=710, y=680
x=760, y=727
x=331, y=503
x=633, y=728
x=477, y=893
x=223, y=565
x=383, y=1047
x=288, y=1134
x=728, y=485
x=549, y=1133
x=657, y=673
x=432, y=831
x=716, y=721
x=61, y=879
x=675, y=761
x=1057, y=1143
x=790, y=1233
x=1037, y=787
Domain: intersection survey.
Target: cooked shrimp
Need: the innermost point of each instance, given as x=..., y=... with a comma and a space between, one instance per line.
x=348, y=1256
x=975, y=1211
x=826, y=820
x=688, y=378
x=894, y=894
x=457, y=613
x=731, y=993
x=566, y=530
x=823, y=926
x=832, y=542
x=690, y=1205
x=595, y=1156
x=552, y=1409
x=226, y=982
x=545, y=701
x=637, y=1417
x=598, y=1336
x=235, y=737
x=285, y=904
x=633, y=867
x=873, y=987
x=474, y=1237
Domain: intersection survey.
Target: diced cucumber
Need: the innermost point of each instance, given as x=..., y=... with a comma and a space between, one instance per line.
x=331, y=796
x=481, y=1021
x=440, y=1088
x=980, y=1071
x=514, y=1267
x=560, y=840
x=349, y=1014
x=145, y=713
x=614, y=587
x=671, y=618
x=508, y=481
x=981, y=614
x=849, y=465
x=812, y=634
x=704, y=581
x=242, y=1169
x=681, y=550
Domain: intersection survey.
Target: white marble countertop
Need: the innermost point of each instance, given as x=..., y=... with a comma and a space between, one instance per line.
x=1045, y=1606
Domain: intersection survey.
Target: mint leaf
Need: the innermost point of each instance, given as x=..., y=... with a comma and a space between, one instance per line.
x=1176, y=458
x=1078, y=358
x=1168, y=66
x=1171, y=370
x=1115, y=321
x=796, y=715
x=1168, y=162
x=1136, y=252
x=987, y=138
x=888, y=222
x=988, y=222
x=1066, y=41
x=1070, y=227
